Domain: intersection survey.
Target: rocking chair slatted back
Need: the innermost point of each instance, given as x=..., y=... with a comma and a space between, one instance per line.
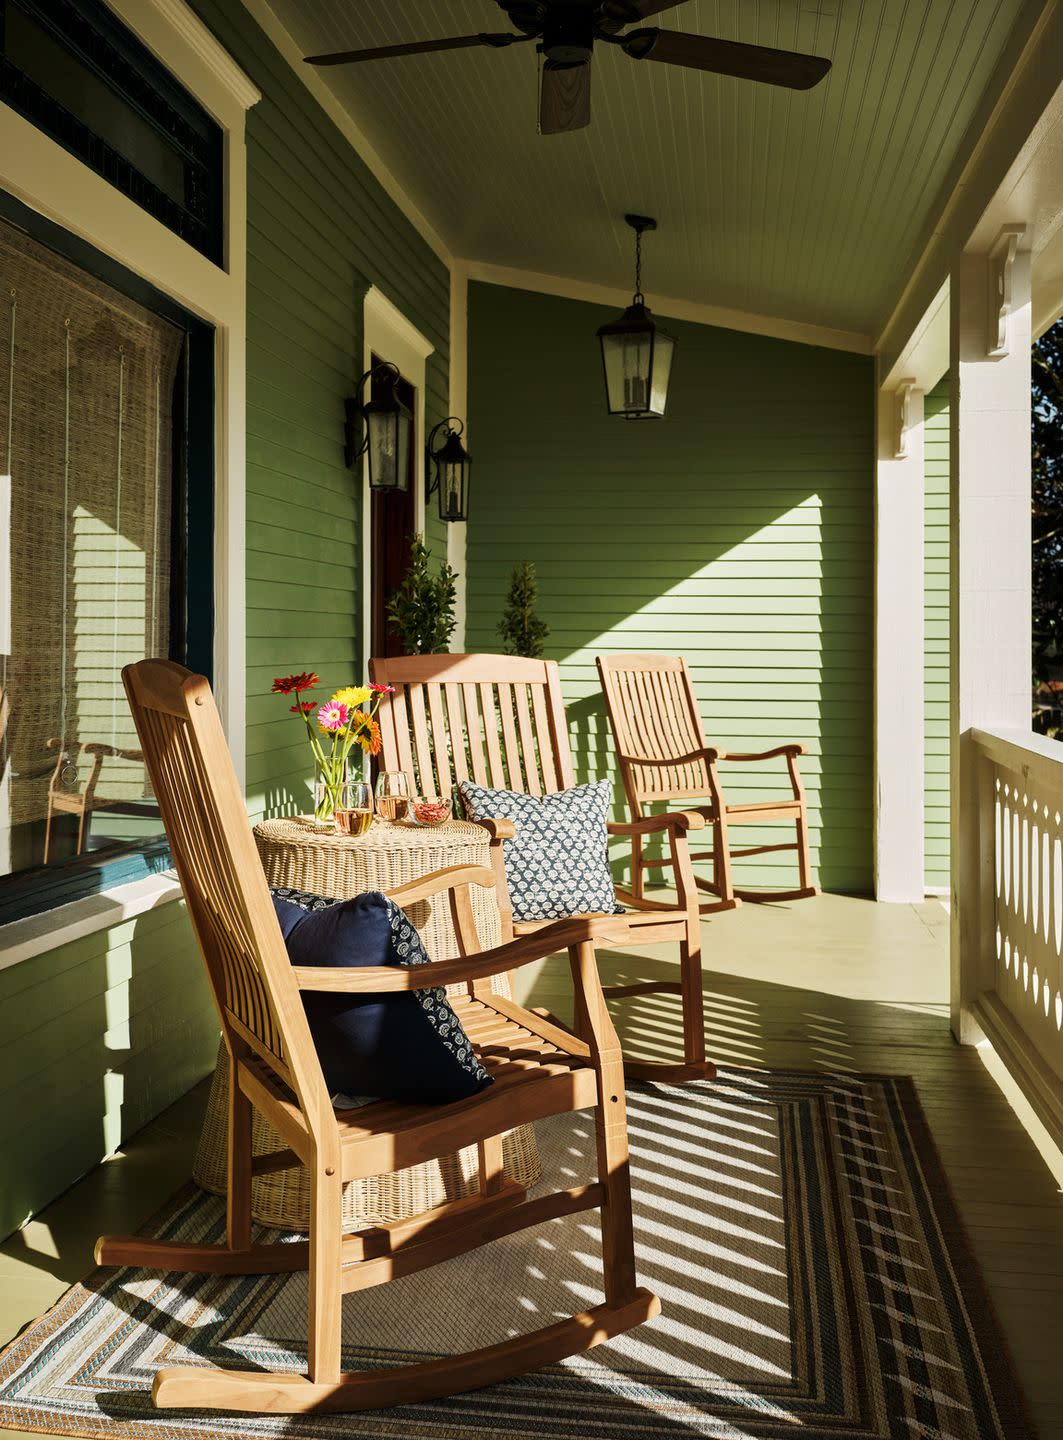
x=225, y=889
x=655, y=720
x=496, y=720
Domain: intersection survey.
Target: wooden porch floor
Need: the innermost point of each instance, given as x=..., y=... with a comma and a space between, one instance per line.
x=833, y=983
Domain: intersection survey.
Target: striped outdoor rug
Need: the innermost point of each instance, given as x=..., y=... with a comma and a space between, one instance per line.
x=797, y=1228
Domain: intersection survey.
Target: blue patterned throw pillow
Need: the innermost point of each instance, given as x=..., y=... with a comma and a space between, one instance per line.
x=402, y=1045
x=557, y=863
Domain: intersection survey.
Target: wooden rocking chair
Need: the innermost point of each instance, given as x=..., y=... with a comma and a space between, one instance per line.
x=662, y=754
x=537, y=1071
x=499, y=721
x=84, y=801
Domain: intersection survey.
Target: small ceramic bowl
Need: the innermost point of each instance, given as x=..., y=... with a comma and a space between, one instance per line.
x=430, y=810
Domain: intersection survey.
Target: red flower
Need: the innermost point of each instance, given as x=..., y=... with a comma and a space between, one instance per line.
x=382, y=689
x=304, y=707
x=289, y=683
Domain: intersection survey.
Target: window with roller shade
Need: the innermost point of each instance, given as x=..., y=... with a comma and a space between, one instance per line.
x=94, y=555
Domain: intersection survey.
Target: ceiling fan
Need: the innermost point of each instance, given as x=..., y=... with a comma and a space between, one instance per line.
x=567, y=31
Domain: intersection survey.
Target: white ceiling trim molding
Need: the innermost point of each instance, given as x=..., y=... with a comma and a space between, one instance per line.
x=341, y=117
x=774, y=326
x=183, y=22
x=1006, y=141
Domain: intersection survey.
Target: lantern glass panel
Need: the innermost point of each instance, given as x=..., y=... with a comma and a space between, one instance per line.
x=452, y=491
x=663, y=350
x=389, y=447
x=626, y=357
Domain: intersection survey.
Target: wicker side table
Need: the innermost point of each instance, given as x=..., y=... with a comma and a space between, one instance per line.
x=296, y=855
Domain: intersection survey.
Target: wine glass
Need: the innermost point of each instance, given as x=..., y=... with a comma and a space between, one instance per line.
x=354, y=812
x=393, y=795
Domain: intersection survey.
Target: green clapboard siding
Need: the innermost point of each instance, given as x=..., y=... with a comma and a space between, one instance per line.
x=320, y=232
x=737, y=531
x=100, y=1035
x=95, y=1039
x=936, y=635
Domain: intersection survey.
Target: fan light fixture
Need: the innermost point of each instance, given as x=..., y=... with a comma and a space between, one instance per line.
x=565, y=33
x=447, y=470
x=636, y=352
x=387, y=428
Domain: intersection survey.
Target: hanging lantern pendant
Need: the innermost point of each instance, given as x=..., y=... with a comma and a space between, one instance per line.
x=636, y=351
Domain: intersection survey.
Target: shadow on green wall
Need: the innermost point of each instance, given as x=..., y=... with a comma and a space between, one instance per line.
x=738, y=532
x=97, y=1037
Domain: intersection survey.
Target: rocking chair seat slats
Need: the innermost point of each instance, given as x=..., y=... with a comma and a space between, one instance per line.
x=390, y=1135
x=501, y=717
x=537, y=1071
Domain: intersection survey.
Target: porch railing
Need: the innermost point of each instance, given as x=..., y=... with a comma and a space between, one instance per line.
x=1011, y=936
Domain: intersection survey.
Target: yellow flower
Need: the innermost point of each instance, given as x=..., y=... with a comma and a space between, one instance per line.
x=352, y=696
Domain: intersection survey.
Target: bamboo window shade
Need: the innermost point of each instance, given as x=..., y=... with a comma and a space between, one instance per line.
x=86, y=398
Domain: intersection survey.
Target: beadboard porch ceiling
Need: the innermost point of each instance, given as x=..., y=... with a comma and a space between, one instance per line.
x=803, y=206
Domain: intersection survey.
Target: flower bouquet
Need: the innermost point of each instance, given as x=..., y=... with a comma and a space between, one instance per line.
x=333, y=729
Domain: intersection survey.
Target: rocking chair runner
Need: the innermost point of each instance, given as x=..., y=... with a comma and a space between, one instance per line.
x=537, y=1071
x=662, y=753
x=499, y=720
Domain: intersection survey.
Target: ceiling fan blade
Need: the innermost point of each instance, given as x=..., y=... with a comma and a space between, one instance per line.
x=630, y=12
x=726, y=57
x=564, y=98
x=418, y=47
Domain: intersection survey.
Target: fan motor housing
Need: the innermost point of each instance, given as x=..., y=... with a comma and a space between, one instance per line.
x=568, y=42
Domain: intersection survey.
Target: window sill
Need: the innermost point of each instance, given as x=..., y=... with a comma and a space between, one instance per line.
x=36, y=934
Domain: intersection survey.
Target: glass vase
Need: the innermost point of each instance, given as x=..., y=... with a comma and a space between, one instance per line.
x=328, y=791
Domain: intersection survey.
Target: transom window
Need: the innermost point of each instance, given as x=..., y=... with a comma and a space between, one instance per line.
x=75, y=71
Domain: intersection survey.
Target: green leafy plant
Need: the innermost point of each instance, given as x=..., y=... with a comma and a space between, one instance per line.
x=421, y=610
x=523, y=632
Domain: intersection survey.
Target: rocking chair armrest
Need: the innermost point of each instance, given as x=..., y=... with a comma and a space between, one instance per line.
x=381, y=979
x=679, y=820
x=498, y=828
x=788, y=750
x=709, y=753
x=438, y=881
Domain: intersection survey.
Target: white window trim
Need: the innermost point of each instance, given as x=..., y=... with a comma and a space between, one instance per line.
x=48, y=179
x=37, y=934
x=388, y=334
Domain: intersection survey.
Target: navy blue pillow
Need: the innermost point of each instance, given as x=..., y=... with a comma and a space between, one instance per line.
x=400, y=1046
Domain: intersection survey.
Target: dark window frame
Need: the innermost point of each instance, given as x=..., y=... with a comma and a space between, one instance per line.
x=34, y=891
x=97, y=42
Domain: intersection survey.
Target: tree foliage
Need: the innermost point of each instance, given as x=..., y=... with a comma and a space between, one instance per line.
x=421, y=610
x=522, y=631
x=1047, y=500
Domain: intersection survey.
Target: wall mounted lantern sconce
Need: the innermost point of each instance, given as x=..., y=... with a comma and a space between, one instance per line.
x=447, y=470
x=636, y=352
x=386, y=428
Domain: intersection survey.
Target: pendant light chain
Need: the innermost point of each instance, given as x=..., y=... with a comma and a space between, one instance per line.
x=638, y=298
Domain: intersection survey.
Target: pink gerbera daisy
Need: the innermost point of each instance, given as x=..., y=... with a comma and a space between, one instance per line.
x=333, y=717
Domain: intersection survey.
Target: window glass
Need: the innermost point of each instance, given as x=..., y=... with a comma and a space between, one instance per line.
x=90, y=384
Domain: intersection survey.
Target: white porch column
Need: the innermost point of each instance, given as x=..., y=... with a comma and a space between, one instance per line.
x=899, y=719
x=990, y=591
